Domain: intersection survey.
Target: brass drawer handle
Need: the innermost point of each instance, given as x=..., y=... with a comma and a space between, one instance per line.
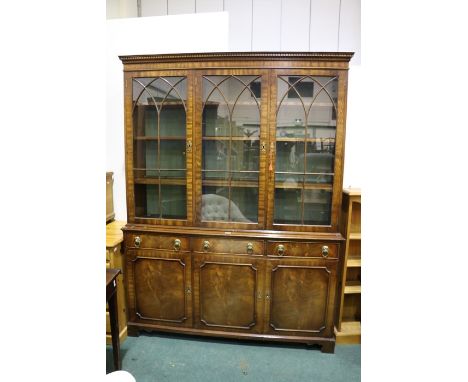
x=206, y=245
x=249, y=247
x=177, y=244
x=325, y=251
x=280, y=249
x=137, y=241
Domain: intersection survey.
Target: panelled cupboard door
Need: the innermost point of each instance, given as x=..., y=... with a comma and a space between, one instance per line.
x=158, y=113
x=228, y=293
x=300, y=297
x=307, y=124
x=230, y=124
x=159, y=287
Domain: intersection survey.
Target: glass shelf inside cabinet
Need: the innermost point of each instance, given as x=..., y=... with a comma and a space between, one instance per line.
x=159, y=156
x=230, y=148
x=305, y=149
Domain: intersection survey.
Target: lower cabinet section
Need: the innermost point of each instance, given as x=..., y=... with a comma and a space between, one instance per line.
x=300, y=297
x=228, y=292
x=256, y=296
x=159, y=287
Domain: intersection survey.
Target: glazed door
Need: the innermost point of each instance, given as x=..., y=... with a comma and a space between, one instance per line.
x=306, y=149
x=231, y=134
x=299, y=297
x=159, y=287
x=228, y=293
x=159, y=141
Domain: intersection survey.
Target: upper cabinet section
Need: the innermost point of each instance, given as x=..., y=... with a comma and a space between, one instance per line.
x=305, y=149
x=159, y=117
x=231, y=131
x=236, y=140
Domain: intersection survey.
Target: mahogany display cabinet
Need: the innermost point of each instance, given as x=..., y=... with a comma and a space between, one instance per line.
x=234, y=169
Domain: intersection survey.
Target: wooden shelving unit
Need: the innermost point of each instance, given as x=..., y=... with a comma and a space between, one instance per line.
x=348, y=328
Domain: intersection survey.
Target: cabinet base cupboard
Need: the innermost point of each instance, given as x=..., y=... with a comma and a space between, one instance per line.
x=234, y=167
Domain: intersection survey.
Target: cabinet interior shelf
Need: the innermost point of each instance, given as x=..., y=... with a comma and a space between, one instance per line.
x=234, y=138
x=352, y=287
x=163, y=181
x=307, y=186
x=152, y=138
x=232, y=183
x=304, y=139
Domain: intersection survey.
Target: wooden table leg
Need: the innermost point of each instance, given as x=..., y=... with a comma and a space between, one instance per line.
x=114, y=323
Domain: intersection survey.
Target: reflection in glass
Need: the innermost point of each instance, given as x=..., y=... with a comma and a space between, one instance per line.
x=237, y=205
x=159, y=121
x=305, y=148
x=288, y=203
x=317, y=207
x=230, y=148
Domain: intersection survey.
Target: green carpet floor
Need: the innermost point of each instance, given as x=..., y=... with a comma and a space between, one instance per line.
x=165, y=357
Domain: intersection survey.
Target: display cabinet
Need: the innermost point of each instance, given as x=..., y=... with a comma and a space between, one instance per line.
x=234, y=166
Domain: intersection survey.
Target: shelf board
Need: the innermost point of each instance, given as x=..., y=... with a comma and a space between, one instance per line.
x=307, y=186
x=145, y=138
x=352, y=287
x=355, y=236
x=353, y=262
x=171, y=182
x=304, y=139
x=350, y=333
x=234, y=183
x=243, y=138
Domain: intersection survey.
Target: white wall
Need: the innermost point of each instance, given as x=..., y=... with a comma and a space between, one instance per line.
x=282, y=25
x=127, y=36
x=246, y=25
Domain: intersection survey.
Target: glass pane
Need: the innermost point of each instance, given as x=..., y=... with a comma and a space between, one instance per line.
x=289, y=157
x=322, y=111
x=231, y=106
x=173, y=202
x=159, y=114
x=172, y=154
x=245, y=155
x=244, y=204
x=230, y=163
x=317, y=207
x=147, y=200
x=172, y=121
x=288, y=205
x=215, y=203
x=291, y=114
x=145, y=159
x=305, y=147
x=242, y=208
x=215, y=155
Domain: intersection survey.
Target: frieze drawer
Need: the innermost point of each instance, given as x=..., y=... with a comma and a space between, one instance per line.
x=302, y=249
x=156, y=241
x=231, y=246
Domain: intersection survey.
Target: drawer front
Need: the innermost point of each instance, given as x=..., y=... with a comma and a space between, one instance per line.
x=168, y=242
x=230, y=246
x=302, y=249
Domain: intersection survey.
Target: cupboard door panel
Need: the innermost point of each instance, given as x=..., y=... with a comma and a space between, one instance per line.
x=228, y=293
x=159, y=144
x=231, y=122
x=300, y=297
x=160, y=290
